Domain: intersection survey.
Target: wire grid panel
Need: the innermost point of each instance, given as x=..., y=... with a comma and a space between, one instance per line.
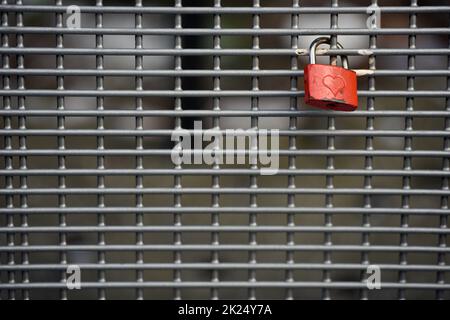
x=87, y=176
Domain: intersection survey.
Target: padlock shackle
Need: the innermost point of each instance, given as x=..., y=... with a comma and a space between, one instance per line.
x=324, y=40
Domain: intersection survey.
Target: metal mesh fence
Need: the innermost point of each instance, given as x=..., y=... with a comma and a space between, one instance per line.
x=88, y=181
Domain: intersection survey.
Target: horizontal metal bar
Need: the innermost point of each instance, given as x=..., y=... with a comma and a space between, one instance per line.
x=166, y=152
x=205, y=73
x=168, y=133
x=221, y=172
x=153, y=73
x=225, y=247
x=248, y=191
x=225, y=31
x=223, y=10
x=224, y=210
x=226, y=284
x=220, y=113
x=223, y=228
x=224, y=266
x=210, y=93
x=221, y=52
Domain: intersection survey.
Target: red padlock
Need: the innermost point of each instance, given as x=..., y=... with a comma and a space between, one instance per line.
x=330, y=87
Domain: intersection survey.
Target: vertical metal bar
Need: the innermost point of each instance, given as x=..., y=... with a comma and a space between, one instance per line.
x=215, y=217
x=139, y=159
x=101, y=275
x=23, y=146
x=253, y=147
x=61, y=146
x=443, y=219
x=193, y=21
x=330, y=166
x=290, y=236
x=407, y=161
x=368, y=161
x=9, y=182
x=177, y=178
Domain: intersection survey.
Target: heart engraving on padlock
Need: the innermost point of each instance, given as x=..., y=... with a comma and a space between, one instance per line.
x=336, y=84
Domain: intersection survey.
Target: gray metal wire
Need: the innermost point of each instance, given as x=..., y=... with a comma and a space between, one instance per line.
x=141, y=227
